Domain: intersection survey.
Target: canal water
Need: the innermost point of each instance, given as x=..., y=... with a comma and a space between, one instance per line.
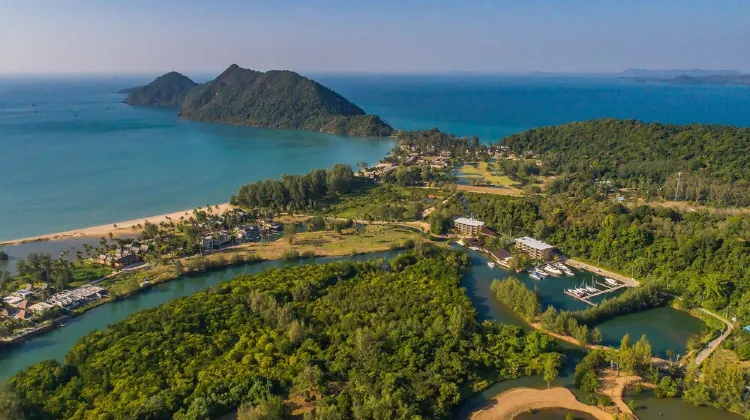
x=56, y=343
x=648, y=407
x=666, y=329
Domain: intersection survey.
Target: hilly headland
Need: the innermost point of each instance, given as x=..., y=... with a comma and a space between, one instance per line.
x=272, y=99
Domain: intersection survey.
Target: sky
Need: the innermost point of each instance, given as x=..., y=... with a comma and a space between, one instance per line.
x=379, y=36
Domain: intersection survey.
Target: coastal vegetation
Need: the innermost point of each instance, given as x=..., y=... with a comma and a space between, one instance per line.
x=699, y=163
x=167, y=90
x=698, y=255
x=304, y=335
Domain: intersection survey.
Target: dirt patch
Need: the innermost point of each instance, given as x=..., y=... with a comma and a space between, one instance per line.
x=519, y=400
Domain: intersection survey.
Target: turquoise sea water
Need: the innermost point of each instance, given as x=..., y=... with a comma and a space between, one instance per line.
x=71, y=155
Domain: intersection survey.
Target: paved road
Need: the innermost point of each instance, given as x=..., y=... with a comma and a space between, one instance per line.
x=713, y=345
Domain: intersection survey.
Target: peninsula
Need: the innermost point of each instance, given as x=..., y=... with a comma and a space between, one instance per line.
x=273, y=99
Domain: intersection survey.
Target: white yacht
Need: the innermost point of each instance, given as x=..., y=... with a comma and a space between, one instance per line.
x=552, y=270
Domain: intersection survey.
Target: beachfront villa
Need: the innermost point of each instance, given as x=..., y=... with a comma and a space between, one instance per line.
x=468, y=226
x=536, y=249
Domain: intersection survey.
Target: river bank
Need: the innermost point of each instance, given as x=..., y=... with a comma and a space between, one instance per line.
x=305, y=245
x=517, y=401
x=116, y=228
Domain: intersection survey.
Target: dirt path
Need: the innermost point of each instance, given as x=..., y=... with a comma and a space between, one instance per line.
x=515, y=192
x=614, y=386
x=516, y=401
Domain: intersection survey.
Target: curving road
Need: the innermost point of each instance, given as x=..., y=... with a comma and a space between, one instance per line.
x=715, y=343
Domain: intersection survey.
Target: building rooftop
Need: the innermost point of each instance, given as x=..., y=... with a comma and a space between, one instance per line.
x=533, y=243
x=469, y=222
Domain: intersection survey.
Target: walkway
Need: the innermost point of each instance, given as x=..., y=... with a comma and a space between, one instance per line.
x=713, y=345
x=516, y=401
x=716, y=342
x=629, y=281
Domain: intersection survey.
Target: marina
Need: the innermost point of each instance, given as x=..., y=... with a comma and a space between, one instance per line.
x=585, y=292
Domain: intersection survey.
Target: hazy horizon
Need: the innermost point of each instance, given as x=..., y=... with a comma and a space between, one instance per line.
x=389, y=37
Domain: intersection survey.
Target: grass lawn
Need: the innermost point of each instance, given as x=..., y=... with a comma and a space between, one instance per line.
x=384, y=202
x=373, y=238
x=482, y=170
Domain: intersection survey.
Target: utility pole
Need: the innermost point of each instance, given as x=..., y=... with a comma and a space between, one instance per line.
x=679, y=177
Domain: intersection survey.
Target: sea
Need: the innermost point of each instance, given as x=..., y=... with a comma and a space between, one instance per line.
x=73, y=155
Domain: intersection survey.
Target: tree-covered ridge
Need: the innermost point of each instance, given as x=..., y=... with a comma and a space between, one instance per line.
x=356, y=340
x=278, y=99
x=647, y=157
x=167, y=90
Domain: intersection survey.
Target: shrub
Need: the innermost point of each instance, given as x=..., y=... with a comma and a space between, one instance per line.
x=290, y=254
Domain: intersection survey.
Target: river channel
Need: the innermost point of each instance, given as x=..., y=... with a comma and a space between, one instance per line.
x=56, y=343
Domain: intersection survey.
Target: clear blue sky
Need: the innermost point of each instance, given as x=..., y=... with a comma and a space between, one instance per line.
x=435, y=36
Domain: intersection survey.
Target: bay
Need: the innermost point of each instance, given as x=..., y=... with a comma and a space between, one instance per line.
x=72, y=155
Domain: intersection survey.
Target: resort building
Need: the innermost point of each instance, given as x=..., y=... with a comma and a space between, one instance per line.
x=537, y=250
x=466, y=226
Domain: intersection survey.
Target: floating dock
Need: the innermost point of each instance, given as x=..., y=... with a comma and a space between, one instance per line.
x=585, y=299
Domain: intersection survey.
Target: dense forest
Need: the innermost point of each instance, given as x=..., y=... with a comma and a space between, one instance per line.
x=167, y=90
x=340, y=340
x=646, y=158
x=701, y=256
x=297, y=192
x=278, y=99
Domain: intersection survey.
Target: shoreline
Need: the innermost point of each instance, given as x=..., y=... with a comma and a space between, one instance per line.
x=116, y=228
x=516, y=401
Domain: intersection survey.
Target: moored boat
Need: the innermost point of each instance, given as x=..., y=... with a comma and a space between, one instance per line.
x=490, y=264
x=611, y=282
x=552, y=270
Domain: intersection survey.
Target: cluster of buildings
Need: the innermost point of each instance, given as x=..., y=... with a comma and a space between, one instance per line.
x=245, y=233
x=19, y=307
x=69, y=299
x=536, y=249
x=18, y=303
x=432, y=159
x=123, y=257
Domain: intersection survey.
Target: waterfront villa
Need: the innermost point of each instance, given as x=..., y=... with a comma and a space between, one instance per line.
x=536, y=249
x=502, y=257
x=468, y=226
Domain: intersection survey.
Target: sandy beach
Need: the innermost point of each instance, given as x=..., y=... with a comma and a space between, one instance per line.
x=510, y=404
x=115, y=228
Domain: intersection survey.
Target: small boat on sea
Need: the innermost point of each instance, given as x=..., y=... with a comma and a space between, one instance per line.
x=490, y=264
x=534, y=275
x=611, y=282
x=549, y=268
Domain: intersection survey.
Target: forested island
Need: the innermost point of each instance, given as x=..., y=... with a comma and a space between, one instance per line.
x=167, y=91
x=272, y=99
